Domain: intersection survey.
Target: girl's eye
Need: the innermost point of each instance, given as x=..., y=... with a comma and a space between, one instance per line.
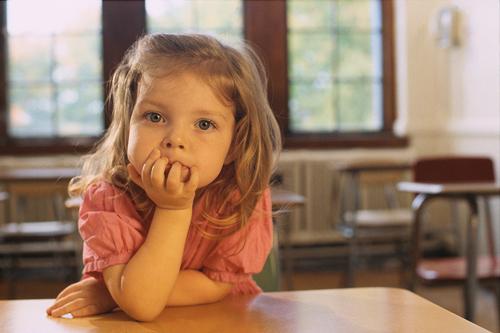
x=155, y=117
x=205, y=124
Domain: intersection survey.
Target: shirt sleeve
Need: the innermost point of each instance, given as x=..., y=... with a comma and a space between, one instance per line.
x=244, y=253
x=110, y=227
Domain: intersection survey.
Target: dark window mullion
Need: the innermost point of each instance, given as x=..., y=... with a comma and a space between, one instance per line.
x=3, y=73
x=117, y=37
x=389, y=81
x=259, y=17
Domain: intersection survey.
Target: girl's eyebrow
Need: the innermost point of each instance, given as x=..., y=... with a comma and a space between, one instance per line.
x=153, y=103
x=209, y=113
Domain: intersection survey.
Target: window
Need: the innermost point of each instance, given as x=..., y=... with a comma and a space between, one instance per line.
x=329, y=63
x=335, y=66
x=341, y=94
x=221, y=18
x=54, y=70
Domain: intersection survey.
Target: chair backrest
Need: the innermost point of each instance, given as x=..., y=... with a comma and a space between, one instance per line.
x=455, y=169
x=459, y=169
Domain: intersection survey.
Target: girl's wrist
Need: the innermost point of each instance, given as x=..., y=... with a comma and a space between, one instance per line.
x=173, y=209
x=171, y=212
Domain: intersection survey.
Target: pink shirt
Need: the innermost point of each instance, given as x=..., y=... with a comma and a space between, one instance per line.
x=113, y=231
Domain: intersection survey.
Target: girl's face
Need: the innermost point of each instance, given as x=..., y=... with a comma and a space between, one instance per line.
x=182, y=117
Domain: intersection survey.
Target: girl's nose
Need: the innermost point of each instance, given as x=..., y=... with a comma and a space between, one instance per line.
x=174, y=140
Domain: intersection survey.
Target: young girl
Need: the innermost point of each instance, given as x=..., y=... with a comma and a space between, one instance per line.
x=176, y=206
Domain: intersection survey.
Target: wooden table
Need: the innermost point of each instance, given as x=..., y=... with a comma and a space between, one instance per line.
x=338, y=310
x=471, y=192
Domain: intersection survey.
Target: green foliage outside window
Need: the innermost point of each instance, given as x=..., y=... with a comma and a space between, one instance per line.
x=335, y=61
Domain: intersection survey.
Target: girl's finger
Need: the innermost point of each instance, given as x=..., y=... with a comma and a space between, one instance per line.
x=147, y=166
x=86, y=311
x=69, y=289
x=70, y=307
x=64, y=300
x=174, y=177
x=158, y=173
x=134, y=175
x=192, y=183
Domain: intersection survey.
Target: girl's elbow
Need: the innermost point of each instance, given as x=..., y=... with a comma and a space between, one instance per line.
x=142, y=313
x=141, y=309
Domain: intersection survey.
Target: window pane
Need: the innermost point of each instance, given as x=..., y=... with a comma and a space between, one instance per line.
x=29, y=58
x=30, y=112
x=359, y=106
x=335, y=65
x=359, y=55
x=75, y=59
x=78, y=109
x=54, y=45
x=359, y=14
x=312, y=107
x=310, y=56
x=311, y=15
x=221, y=18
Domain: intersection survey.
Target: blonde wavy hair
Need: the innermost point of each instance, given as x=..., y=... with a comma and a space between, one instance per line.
x=238, y=76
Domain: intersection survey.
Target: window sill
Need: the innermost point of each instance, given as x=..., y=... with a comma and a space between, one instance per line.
x=340, y=141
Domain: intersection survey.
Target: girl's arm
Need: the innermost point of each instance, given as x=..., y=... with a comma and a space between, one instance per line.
x=193, y=287
x=90, y=296
x=142, y=287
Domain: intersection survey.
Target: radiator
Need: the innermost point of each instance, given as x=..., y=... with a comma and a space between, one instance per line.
x=314, y=222
x=313, y=175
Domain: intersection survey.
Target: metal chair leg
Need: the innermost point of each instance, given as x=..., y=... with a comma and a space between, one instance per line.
x=352, y=262
x=497, y=293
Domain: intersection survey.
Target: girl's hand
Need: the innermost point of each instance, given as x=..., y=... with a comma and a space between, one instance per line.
x=85, y=298
x=166, y=189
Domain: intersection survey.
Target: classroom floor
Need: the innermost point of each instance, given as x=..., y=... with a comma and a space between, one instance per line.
x=314, y=278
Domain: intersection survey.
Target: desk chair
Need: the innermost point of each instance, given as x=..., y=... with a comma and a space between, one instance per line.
x=452, y=270
x=37, y=234
x=361, y=225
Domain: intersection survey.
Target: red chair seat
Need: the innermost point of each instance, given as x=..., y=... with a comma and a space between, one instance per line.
x=434, y=270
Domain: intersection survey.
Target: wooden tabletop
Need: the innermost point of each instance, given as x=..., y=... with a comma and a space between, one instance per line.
x=488, y=188
x=334, y=310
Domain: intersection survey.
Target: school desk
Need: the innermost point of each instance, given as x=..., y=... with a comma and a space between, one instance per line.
x=471, y=193
x=334, y=310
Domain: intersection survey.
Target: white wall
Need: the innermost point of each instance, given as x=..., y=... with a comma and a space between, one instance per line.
x=449, y=99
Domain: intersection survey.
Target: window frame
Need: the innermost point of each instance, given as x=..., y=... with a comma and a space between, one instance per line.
x=274, y=51
x=272, y=48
